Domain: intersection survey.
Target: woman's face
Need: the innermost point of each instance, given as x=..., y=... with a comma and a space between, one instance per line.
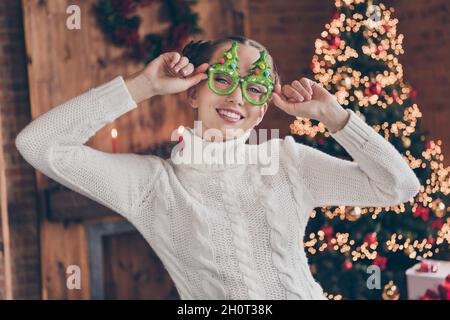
x=211, y=107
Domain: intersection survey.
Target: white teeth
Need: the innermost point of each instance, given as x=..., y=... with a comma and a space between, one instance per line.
x=230, y=114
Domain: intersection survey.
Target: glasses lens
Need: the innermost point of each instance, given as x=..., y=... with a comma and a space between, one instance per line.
x=256, y=93
x=222, y=82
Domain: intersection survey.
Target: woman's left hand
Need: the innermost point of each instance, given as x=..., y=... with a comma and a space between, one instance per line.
x=303, y=98
x=308, y=99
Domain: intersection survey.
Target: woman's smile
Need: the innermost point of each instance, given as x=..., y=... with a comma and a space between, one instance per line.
x=229, y=115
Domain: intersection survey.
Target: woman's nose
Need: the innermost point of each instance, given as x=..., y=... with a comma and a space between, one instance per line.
x=236, y=96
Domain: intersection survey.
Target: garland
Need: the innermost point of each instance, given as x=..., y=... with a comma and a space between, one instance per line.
x=118, y=21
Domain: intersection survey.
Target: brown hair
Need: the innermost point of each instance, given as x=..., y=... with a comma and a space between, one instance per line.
x=201, y=51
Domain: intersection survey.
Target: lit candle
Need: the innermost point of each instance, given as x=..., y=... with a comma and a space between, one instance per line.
x=180, y=136
x=115, y=144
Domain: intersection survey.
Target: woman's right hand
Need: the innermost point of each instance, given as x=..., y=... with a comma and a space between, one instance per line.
x=167, y=74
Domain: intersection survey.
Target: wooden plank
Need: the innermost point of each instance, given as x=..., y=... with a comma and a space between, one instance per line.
x=134, y=274
x=4, y=223
x=64, y=245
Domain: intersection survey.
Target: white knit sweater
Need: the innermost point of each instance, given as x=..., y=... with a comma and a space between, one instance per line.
x=222, y=231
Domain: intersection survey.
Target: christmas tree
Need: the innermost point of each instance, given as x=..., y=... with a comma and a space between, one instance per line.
x=356, y=59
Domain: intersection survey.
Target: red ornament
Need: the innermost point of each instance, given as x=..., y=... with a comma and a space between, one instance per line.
x=422, y=212
x=386, y=27
x=335, y=42
x=376, y=88
x=328, y=231
x=430, y=240
x=348, y=265
x=329, y=244
x=380, y=262
x=436, y=224
x=222, y=60
x=396, y=98
x=256, y=72
x=371, y=238
x=380, y=49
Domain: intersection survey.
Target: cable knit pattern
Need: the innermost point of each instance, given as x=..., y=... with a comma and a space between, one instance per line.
x=222, y=230
x=211, y=284
x=300, y=195
x=280, y=243
x=242, y=243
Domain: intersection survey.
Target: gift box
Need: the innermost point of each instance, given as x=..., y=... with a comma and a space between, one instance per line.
x=429, y=279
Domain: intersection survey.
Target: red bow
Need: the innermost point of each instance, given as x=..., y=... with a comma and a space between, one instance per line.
x=443, y=292
x=422, y=212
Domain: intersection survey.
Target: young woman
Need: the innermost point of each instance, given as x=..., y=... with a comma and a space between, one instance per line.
x=224, y=230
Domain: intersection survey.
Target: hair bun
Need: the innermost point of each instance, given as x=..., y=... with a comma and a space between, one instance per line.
x=195, y=50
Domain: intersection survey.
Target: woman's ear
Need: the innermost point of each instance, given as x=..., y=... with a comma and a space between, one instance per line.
x=266, y=106
x=192, y=97
x=263, y=111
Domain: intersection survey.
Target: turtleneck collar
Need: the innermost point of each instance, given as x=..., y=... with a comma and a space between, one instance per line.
x=195, y=151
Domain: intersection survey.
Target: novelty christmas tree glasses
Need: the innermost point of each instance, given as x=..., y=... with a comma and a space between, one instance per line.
x=224, y=78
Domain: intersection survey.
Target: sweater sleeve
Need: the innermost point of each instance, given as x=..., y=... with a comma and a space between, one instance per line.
x=53, y=143
x=378, y=176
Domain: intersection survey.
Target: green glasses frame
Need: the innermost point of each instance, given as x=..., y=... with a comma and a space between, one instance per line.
x=228, y=65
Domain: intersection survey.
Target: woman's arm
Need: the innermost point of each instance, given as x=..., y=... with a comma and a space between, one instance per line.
x=378, y=176
x=53, y=143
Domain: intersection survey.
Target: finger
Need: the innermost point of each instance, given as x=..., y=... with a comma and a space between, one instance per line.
x=300, y=88
x=279, y=91
x=174, y=58
x=281, y=103
x=292, y=93
x=277, y=88
x=307, y=84
x=172, y=72
x=187, y=70
x=181, y=64
x=195, y=79
x=202, y=68
x=278, y=96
